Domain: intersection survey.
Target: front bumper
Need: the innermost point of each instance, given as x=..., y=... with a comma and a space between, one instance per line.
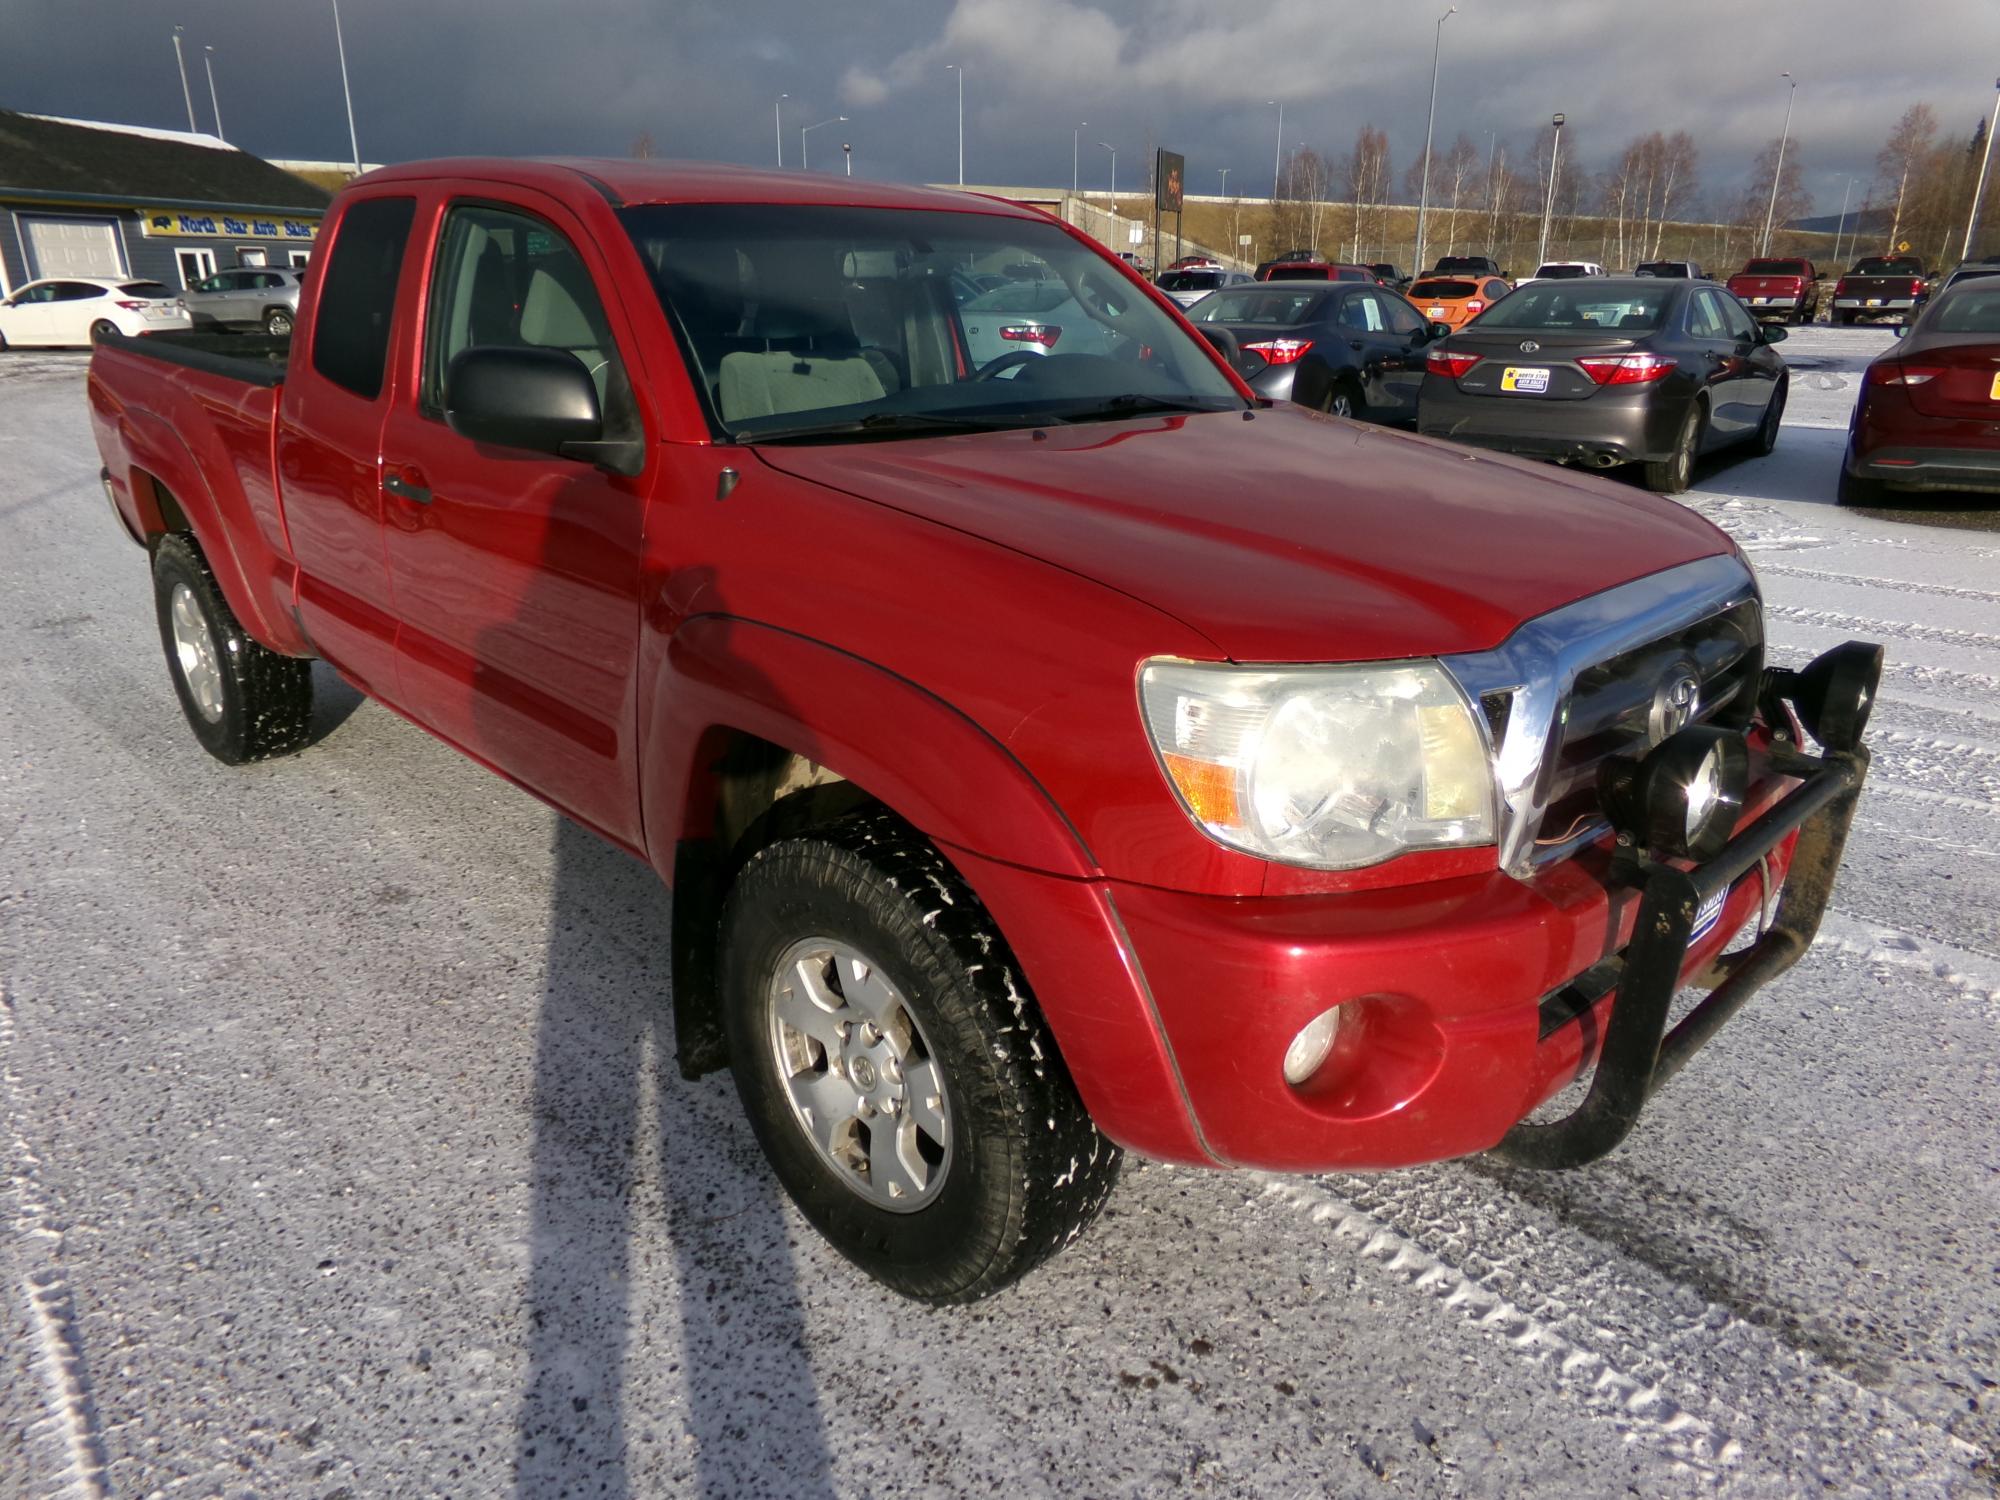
x=1614, y=425
x=1930, y=468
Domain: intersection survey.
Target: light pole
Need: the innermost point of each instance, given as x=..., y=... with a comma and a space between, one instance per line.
x=1225, y=180
x=1114, y=175
x=1549, y=203
x=804, y=130
x=1778, y=176
x=1075, y=145
x=208, y=62
x=778, y=124
x=181, y=63
x=340, y=46
x=1278, y=160
x=1424, y=197
x=1972, y=222
x=1841, y=234
x=955, y=68
x=847, y=154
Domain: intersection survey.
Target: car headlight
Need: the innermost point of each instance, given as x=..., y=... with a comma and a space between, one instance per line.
x=1328, y=767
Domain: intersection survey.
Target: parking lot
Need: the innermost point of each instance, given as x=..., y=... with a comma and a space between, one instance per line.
x=344, y=1153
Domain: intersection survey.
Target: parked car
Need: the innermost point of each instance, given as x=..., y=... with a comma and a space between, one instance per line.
x=1314, y=270
x=1188, y=287
x=1562, y=270
x=1684, y=270
x=1287, y=258
x=1136, y=261
x=1879, y=286
x=1613, y=370
x=1044, y=758
x=1785, y=288
x=1354, y=349
x=1388, y=275
x=76, y=310
x=1031, y=317
x=1475, y=266
x=1970, y=270
x=1928, y=415
x=1456, y=300
x=1194, y=262
x=245, y=297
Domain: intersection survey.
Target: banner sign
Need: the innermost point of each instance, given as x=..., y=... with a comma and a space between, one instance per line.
x=1168, y=170
x=173, y=223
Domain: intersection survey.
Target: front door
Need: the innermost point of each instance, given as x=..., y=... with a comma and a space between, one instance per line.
x=1725, y=367
x=517, y=573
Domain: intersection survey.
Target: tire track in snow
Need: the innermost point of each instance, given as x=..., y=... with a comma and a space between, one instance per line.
x=1874, y=942
x=1885, y=585
x=69, y=1428
x=1902, y=630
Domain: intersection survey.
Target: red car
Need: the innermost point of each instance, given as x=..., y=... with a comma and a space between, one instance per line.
x=1313, y=270
x=1027, y=784
x=1928, y=417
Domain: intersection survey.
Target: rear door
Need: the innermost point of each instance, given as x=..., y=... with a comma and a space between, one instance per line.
x=517, y=573
x=330, y=440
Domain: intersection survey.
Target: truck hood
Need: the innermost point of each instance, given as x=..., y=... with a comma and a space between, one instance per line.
x=1288, y=537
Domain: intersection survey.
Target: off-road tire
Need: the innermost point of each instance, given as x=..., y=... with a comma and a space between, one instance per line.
x=1028, y=1169
x=266, y=699
x=1674, y=473
x=1765, y=440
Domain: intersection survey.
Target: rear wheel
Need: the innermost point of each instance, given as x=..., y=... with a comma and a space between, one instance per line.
x=1674, y=473
x=1343, y=399
x=1774, y=415
x=894, y=1067
x=243, y=701
x=1844, y=319
x=1855, y=490
x=102, y=329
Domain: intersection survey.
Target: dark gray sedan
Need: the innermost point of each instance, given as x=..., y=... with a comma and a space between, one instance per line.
x=1347, y=347
x=245, y=297
x=1610, y=370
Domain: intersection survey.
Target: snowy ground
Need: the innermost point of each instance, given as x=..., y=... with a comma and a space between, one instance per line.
x=341, y=1152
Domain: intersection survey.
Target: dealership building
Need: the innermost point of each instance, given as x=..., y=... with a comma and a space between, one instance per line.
x=82, y=198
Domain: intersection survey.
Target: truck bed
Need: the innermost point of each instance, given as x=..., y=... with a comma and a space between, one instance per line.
x=254, y=358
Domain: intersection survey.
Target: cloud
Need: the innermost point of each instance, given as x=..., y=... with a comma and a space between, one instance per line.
x=861, y=89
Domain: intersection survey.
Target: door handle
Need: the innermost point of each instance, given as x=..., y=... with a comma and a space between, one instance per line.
x=408, y=485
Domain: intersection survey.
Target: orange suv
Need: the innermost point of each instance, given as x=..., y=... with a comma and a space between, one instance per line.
x=1456, y=300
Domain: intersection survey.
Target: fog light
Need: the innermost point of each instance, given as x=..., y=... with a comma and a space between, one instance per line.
x=1684, y=798
x=1310, y=1047
x=1835, y=693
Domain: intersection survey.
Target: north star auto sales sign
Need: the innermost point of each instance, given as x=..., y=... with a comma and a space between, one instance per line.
x=171, y=223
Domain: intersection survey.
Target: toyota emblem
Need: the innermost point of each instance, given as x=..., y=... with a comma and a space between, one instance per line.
x=1674, y=705
x=1529, y=346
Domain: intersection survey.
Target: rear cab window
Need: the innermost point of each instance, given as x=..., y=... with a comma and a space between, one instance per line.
x=357, y=303
x=1775, y=268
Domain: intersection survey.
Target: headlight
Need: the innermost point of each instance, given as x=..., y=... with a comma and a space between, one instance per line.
x=1329, y=767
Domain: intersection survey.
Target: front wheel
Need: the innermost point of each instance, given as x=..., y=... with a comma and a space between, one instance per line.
x=243, y=701
x=894, y=1068
x=1674, y=473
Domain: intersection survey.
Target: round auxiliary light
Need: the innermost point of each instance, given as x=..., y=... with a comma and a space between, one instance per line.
x=1311, y=1046
x=1683, y=799
x=1835, y=693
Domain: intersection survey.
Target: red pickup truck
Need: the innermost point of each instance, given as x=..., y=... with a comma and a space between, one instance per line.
x=1049, y=757
x=1787, y=289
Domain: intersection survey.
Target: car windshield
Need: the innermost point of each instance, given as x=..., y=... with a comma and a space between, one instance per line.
x=1970, y=272
x=1625, y=309
x=1561, y=272
x=824, y=322
x=1461, y=263
x=1267, y=305
x=1190, y=281
x=1451, y=289
x=1974, y=310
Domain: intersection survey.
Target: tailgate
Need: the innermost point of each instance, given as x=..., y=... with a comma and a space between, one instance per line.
x=1964, y=380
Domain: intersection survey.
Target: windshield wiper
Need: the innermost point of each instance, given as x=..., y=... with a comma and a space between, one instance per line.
x=1139, y=406
x=894, y=423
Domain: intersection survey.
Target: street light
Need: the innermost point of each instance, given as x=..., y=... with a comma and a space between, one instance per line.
x=1278, y=161
x=1075, y=144
x=778, y=124
x=1845, y=194
x=1225, y=180
x=804, y=130
x=208, y=62
x=1114, y=175
x=1778, y=176
x=1549, y=203
x=181, y=63
x=1985, y=161
x=340, y=46
x=955, y=68
x=847, y=152
x=1424, y=198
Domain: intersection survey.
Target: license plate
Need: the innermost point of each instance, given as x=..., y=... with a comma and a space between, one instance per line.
x=1437, y=312
x=1526, y=380
x=1874, y=302
x=1760, y=301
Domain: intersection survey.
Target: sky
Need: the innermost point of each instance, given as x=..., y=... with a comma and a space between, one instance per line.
x=541, y=77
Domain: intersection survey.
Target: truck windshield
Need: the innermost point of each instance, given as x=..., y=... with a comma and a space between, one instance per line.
x=835, y=322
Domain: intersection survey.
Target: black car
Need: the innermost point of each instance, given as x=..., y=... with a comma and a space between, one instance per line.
x=1467, y=265
x=1347, y=347
x=1608, y=370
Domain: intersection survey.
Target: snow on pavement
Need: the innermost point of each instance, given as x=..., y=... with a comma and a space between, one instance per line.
x=341, y=1149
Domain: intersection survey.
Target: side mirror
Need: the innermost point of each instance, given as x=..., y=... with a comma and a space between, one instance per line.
x=542, y=400
x=1901, y=329
x=1441, y=330
x=1223, y=340
x=1774, y=333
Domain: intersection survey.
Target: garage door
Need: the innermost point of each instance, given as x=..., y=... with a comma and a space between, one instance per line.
x=73, y=247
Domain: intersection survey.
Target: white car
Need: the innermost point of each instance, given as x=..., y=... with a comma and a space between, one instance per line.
x=77, y=310
x=1562, y=270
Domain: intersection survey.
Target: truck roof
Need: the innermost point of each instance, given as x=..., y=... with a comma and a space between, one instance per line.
x=626, y=180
